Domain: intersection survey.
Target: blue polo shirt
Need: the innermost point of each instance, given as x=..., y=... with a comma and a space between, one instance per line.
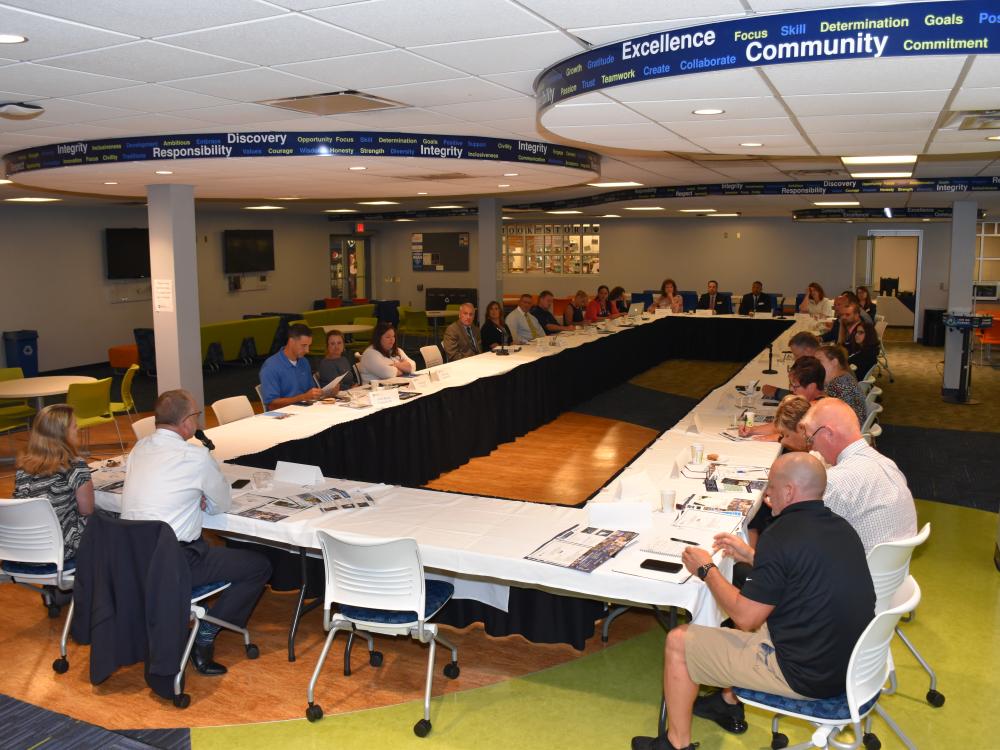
x=280, y=378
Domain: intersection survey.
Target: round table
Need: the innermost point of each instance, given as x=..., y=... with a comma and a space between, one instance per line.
x=40, y=387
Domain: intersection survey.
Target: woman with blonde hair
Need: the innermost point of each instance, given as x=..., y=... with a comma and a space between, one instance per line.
x=51, y=467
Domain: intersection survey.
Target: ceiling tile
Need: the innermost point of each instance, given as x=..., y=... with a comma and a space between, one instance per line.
x=983, y=73
x=977, y=98
x=752, y=129
x=235, y=114
x=437, y=93
x=251, y=85
x=890, y=74
x=768, y=6
x=503, y=55
x=151, y=98
x=414, y=22
x=627, y=136
x=489, y=111
x=868, y=123
x=362, y=72
x=521, y=81
x=147, y=61
x=867, y=104
x=580, y=13
x=158, y=125
x=66, y=111
x=735, y=110
x=410, y=117
x=731, y=84
x=149, y=18
x=41, y=80
x=50, y=36
x=274, y=41
x=598, y=113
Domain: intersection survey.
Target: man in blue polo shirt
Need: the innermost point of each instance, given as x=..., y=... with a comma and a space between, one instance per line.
x=286, y=376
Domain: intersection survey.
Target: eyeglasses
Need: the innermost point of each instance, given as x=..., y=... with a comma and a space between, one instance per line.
x=810, y=439
x=193, y=414
x=793, y=385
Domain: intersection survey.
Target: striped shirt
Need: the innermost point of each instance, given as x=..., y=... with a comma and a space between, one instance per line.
x=60, y=489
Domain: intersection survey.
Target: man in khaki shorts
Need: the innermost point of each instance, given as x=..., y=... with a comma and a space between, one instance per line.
x=805, y=603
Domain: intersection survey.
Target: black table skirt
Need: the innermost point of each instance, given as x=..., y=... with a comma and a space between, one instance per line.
x=441, y=431
x=415, y=443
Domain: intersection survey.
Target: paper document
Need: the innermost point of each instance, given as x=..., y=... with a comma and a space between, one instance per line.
x=329, y=388
x=583, y=550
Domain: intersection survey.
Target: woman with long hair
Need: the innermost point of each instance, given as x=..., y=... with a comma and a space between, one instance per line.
x=865, y=301
x=494, y=331
x=669, y=298
x=816, y=303
x=383, y=359
x=840, y=382
x=335, y=364
x=51, y=467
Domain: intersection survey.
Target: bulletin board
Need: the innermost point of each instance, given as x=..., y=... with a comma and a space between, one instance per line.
x=440, y=251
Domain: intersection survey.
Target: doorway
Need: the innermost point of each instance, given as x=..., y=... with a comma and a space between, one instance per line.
x=888, y=262
x=350, y=274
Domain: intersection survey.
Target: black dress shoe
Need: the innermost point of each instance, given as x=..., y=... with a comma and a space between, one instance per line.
x=201, y=657
x=714, y=707
x=658, y=743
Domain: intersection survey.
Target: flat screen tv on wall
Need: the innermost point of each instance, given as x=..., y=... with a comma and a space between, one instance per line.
x=126, y=252
x=247, y=251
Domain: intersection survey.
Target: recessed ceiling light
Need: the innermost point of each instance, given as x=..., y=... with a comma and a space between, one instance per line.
x=643, y=208
x=288, y=199
x=751, y=144
x=503, y=184
x=614, y=184
x=110, y=183
x=421, y=193
x=32, y=200
x=993, y=137
x=881, y=175
x=905, y=159
x=12, y=39
x=610, y=216
x=849, y=221
x=511, y=174
x=341, y=211
x=707, y=111
x=696, y=210
x=378, y=203
x=357, y=169
x=6, y=182
x=836, y=203
x=925, y=219
x=404, y=219
x=264, y=208
x=445, y=207
x=566, y=213
x=715, y=216
x=163, y=171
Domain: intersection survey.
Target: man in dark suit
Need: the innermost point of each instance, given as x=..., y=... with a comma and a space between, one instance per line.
x=714, y=301
x=461, y=338
x=755, y=300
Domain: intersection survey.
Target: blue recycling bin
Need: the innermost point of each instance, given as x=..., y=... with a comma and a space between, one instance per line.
x=21, y=350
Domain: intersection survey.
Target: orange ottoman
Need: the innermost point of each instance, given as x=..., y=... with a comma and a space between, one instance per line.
x=123, y=357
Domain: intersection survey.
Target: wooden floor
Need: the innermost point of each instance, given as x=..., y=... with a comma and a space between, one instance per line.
x=585, y=450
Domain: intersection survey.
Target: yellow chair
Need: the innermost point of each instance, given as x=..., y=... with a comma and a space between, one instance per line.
x=91, y=404
x=415, y=324
x=318, y=346
x=127, y=404
x=12, y=409
x=361, y=341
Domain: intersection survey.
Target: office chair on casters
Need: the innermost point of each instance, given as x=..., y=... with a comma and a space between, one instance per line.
x=30, y=534
x=889, y=564
x=380, y=587
x=867, y=672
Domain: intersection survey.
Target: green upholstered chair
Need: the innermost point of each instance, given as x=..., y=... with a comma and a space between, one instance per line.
x=13, y=409
x=360, y=341
x=127, y=405
x=91, y=404
x=415, y=324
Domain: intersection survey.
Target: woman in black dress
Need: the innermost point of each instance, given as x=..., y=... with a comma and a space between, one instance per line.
x=494, y=331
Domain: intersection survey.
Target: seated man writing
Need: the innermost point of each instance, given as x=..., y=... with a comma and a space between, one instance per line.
x=286, y=376
x=791, y=641
x=169, y=479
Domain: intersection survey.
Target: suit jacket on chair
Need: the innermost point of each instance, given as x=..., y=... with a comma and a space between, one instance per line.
x=132, y=599
x=457, y=344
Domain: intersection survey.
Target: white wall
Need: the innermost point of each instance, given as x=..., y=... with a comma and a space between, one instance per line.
x=895, y=256
x=53, y=276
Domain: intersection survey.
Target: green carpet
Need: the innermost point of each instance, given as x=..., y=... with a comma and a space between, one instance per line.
x=602, y=700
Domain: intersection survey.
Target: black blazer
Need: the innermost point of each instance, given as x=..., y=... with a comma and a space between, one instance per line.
x=723, y=305
x=763, y=303
x=491, y=335
x=132, y=599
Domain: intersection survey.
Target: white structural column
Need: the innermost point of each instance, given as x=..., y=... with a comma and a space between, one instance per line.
x=489, y=279
x=173, y=262
x=963, y=260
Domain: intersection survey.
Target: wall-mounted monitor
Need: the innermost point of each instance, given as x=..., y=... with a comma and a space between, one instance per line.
x=247, y=251
x=126, y=252
x=986, y=291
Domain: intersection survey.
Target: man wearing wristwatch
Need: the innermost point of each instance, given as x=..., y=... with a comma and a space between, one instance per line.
x=806, y=601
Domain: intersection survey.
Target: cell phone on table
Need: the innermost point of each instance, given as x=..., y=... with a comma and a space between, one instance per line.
x=239, y=484
x=662, y=566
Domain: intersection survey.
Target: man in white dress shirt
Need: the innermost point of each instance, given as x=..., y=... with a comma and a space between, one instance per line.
x=169, y=479
x=522, y=324
x=862, y=485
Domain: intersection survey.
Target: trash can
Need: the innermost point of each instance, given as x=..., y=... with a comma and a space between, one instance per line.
x=933, y=334
x=21, y=350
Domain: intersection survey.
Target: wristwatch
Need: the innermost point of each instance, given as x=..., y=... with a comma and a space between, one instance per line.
x=702, y=572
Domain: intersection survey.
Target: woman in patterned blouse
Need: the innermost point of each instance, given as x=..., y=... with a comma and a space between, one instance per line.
x=840, y=381
x=51, y=467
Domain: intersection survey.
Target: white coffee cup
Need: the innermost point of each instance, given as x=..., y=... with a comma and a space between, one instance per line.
x=262, y=480
x=667, y=498
x=749, y=418
x=697, y=453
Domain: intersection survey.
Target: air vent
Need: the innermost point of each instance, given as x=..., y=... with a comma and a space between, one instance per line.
x=986, y=119
x=334, y=103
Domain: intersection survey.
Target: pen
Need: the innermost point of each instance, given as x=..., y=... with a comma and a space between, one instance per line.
x=684, y=541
